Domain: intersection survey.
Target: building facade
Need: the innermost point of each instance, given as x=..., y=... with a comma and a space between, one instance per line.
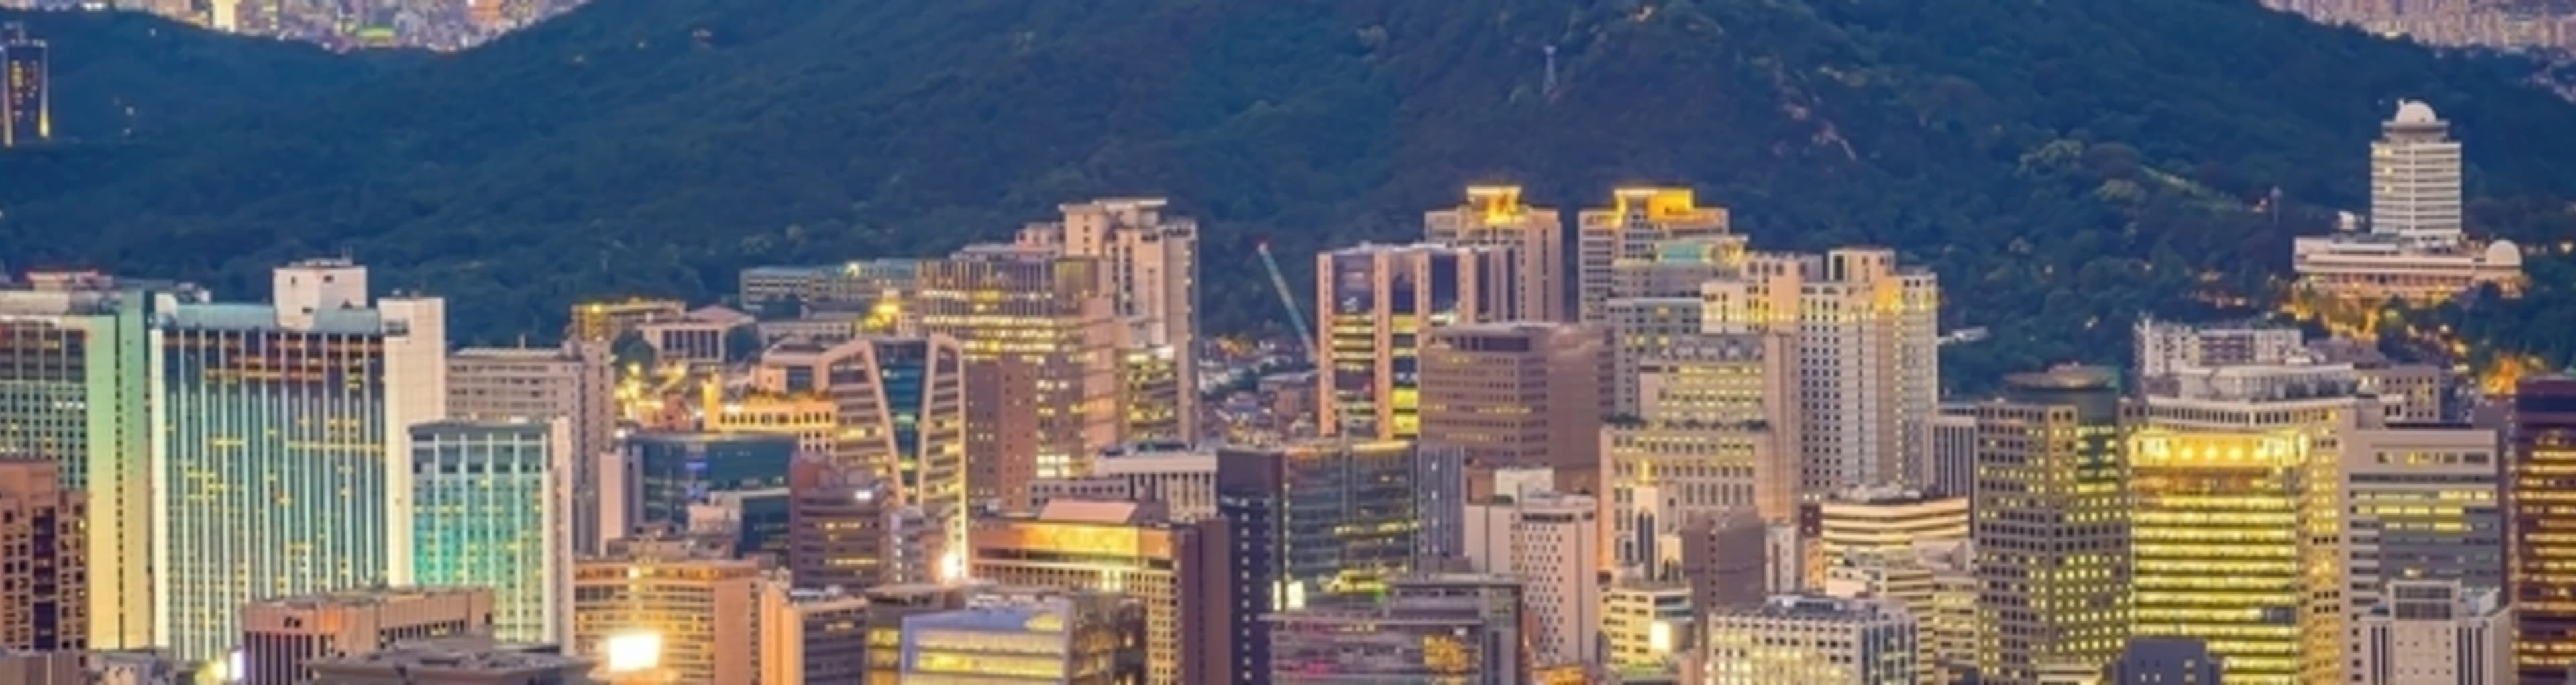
x=812, y=636
x=1865, y=358
x=279, y=636
x=2436, y=632
x=2422, y=502
x=1552, y=543
x=657, y=612
x=1463, y=629
x=1040, y=338
x=574, y=382
x=1519, y=394
x=42, y=605
x=1495, y=217
x=2050, y=520
x=1375, y=305
x=1638, y=220
x=899, y=413
x=2542, y=577
x=26, y=88
x=491, y=506
x=1178, y=574
x=1011, y=636
x=1152, y=263
x=1810, y=639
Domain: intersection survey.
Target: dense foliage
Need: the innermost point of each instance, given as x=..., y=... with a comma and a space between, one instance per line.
x=2065, y=166
x=122, y=77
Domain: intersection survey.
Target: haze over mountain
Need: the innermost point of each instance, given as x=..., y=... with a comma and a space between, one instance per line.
x=2064, y=165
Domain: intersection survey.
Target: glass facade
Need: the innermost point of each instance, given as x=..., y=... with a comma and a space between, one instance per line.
x=488, y=505
x=674, y=470
x=2540, y=498
x=74, y=374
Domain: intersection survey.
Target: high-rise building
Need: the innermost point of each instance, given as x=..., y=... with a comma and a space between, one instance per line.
x=842, y=530
x=812, y=636
x=1552, y=543
x=1375, y=306
x=490, y=501
x=1639, y=220
x=2050, y=520
x=1865, y=521
x=26, y=89
x=78, y=356
x=2235, y=504
x=900, y=415
x=575, y=382
x=1518, y=394
x=1727, y=559
x=1040, y=337
x=1031, y=637
x=1865, y=358
x=1329, y=517
x=1647, y=627
x=1462, y=629
x=2415, y=177
x=1712, y=438
x=42, y=555
x=2436, y=632
x=1181, y=480
x=2543, y=547
x=661, y=474
x=2164, y=661
x=280, y=635
x=2421, y=502
x=1494, y=216
x=282, y=455
x=1152, y=263
x=1810, y=639
x=1654, y=303
x=660, y=610
x=1179, y=573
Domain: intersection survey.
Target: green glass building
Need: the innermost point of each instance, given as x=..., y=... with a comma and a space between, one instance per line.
x=489, y=501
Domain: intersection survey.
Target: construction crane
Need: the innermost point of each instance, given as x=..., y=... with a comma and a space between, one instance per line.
x=1288, y=298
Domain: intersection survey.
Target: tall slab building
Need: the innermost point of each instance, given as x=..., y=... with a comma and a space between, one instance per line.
x=1376, y=304
x=281, y=455
x=1040, y=337
x=2540, y=473
x=2050, y=521
x=1866, y=358
x=26, y=88
x=490, y=510
x=575, y=382
x=1637, y=222
x=1151, y=261
x=1494, y=216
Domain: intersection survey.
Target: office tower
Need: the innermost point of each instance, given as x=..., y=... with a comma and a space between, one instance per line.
x=2164, y=348
x=2421, y=502
x=1181, y=480
x=1638, y=220
x=1328, y=518
x=26, y=89
x=660, y=474
x=1655, y=301
x=575, y=382
x=659, y=610
x=1493, y=216
x=1726, y=559
x=900, y=414
x=1647, y=626
x=42, y=556
x=1710, y=439
x=812, y=636
x=1517, y=394
x=1865, y=361
x=2051, y=522
x=1152, y=264
x=282, y=454
x=887, y=607
x=2415, y=177
x=2436, y=632
x=1179, y=574
x=2543, y=440
x=279, y=635
x=2164, y=661
x=1810, y=639
x=490, y=503
x=2234, y=504
x=1045, y=636
x=1375, y=303
x=438, y=664
x=840, y=527
x=605, y=321
x=1954, y=452
x=1464, y=629
x=1865, y=521
x=1552, y=543
x=77, y=352
x=1040, y=339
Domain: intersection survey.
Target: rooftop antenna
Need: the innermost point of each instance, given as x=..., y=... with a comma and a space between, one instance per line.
x=1550, y=90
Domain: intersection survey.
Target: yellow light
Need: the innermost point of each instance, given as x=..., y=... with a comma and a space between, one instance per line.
x=633, y=652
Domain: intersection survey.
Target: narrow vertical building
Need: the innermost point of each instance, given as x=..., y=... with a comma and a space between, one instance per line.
x=490, y=505
x=1512, y=395
x=1638, y=220
x=2543, y=551
x=2415, y=178
x=42, y=557
x=2421, y=503
x=841, y=531
x=26, y=88
x=2050, y=520
x=812, y=636
x=1375, y=305
x=281, y=446
x=574, y=382
x=1494, y=216
x=1039, y=336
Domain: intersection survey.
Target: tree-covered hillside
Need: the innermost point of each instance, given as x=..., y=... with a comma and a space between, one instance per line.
x=2064, y=165
x=119, y=77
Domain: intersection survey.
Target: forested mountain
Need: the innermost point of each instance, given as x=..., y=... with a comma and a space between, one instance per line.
x=123, y=77
x=2064, y=165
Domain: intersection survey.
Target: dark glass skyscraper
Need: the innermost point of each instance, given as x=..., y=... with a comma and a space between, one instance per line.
x=2540, y=499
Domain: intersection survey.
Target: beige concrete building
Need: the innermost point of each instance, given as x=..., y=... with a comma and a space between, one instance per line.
x=1152, y=264
x=575, y=382
x=1375, y=304
x=279, y=636
x=1866, y=358
x=2433, y=632
x=1494, y=216
x=1810, y=639
x=1178, y=572
x=1637, y=222
x=657, y=612
x=1712, y=439
x=1040, y=335
x=1517, y=394
x=812, y=636
x=1654, y=303
x=42, y=605
x=1886, y=521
